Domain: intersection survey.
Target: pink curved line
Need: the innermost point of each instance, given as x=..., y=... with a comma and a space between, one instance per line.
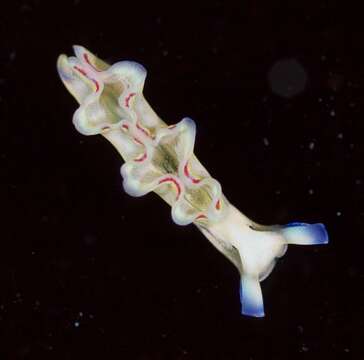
x=187, y=173
x=137, y=140
x=85, y=56
x=142, y=129
x=127, y=99
x=170, y=179
x=142, y=158
x=84, y=73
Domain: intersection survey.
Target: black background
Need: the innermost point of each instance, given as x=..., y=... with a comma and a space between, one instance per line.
x=88, y=272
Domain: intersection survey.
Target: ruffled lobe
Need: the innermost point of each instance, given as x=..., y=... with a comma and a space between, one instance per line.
x=105, y=93
x=163, y=164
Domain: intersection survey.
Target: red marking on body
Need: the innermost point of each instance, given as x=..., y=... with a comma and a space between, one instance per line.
x=83, y=72
x=142, y=158
x=170, y=179
x=218, y=205
x=127, y=99
x=137, y=140
x=85, y=56
x=187, y=173
x=143, y=130
x=125, y=126
x=201, y=216
x=96, y=84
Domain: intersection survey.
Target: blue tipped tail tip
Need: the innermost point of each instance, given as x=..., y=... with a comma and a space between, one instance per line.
x=253, y=311
x=250, y=304
x=321, y=234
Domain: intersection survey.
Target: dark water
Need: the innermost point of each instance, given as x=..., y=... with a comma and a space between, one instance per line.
x=277, y=93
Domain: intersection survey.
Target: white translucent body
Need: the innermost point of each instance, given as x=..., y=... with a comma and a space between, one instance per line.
x=160, y=158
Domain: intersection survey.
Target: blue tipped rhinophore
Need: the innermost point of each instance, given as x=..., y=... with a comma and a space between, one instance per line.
x=305, y=234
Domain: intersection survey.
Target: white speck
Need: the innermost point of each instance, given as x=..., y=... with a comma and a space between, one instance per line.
x=77, y=324
x=33, y=252
x=319, y=99
x=304, y=348
x=351, y=146
x=338, y=213
x=352, y=104
x=165, y=52
x=332, y=97
x=340, y=135
x=310, y=191
x=80, y=313
x=265, y=141
x=311, y=145
x=332, y=113
x=323, y=58
x=346, y=350
x=278, y=192
x=358, y=182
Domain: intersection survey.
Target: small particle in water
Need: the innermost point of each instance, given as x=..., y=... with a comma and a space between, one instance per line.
x=319, y=99
x=77, y=324
x=340, y=135
x=265, y=141
x=311, y=145
x=310, y=191
x=338, y=213
x=304, y=348
x=358, y=182
x=80, y=313
x=332, y=113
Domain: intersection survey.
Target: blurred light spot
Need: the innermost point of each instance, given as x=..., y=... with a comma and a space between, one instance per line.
x=287, y=78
